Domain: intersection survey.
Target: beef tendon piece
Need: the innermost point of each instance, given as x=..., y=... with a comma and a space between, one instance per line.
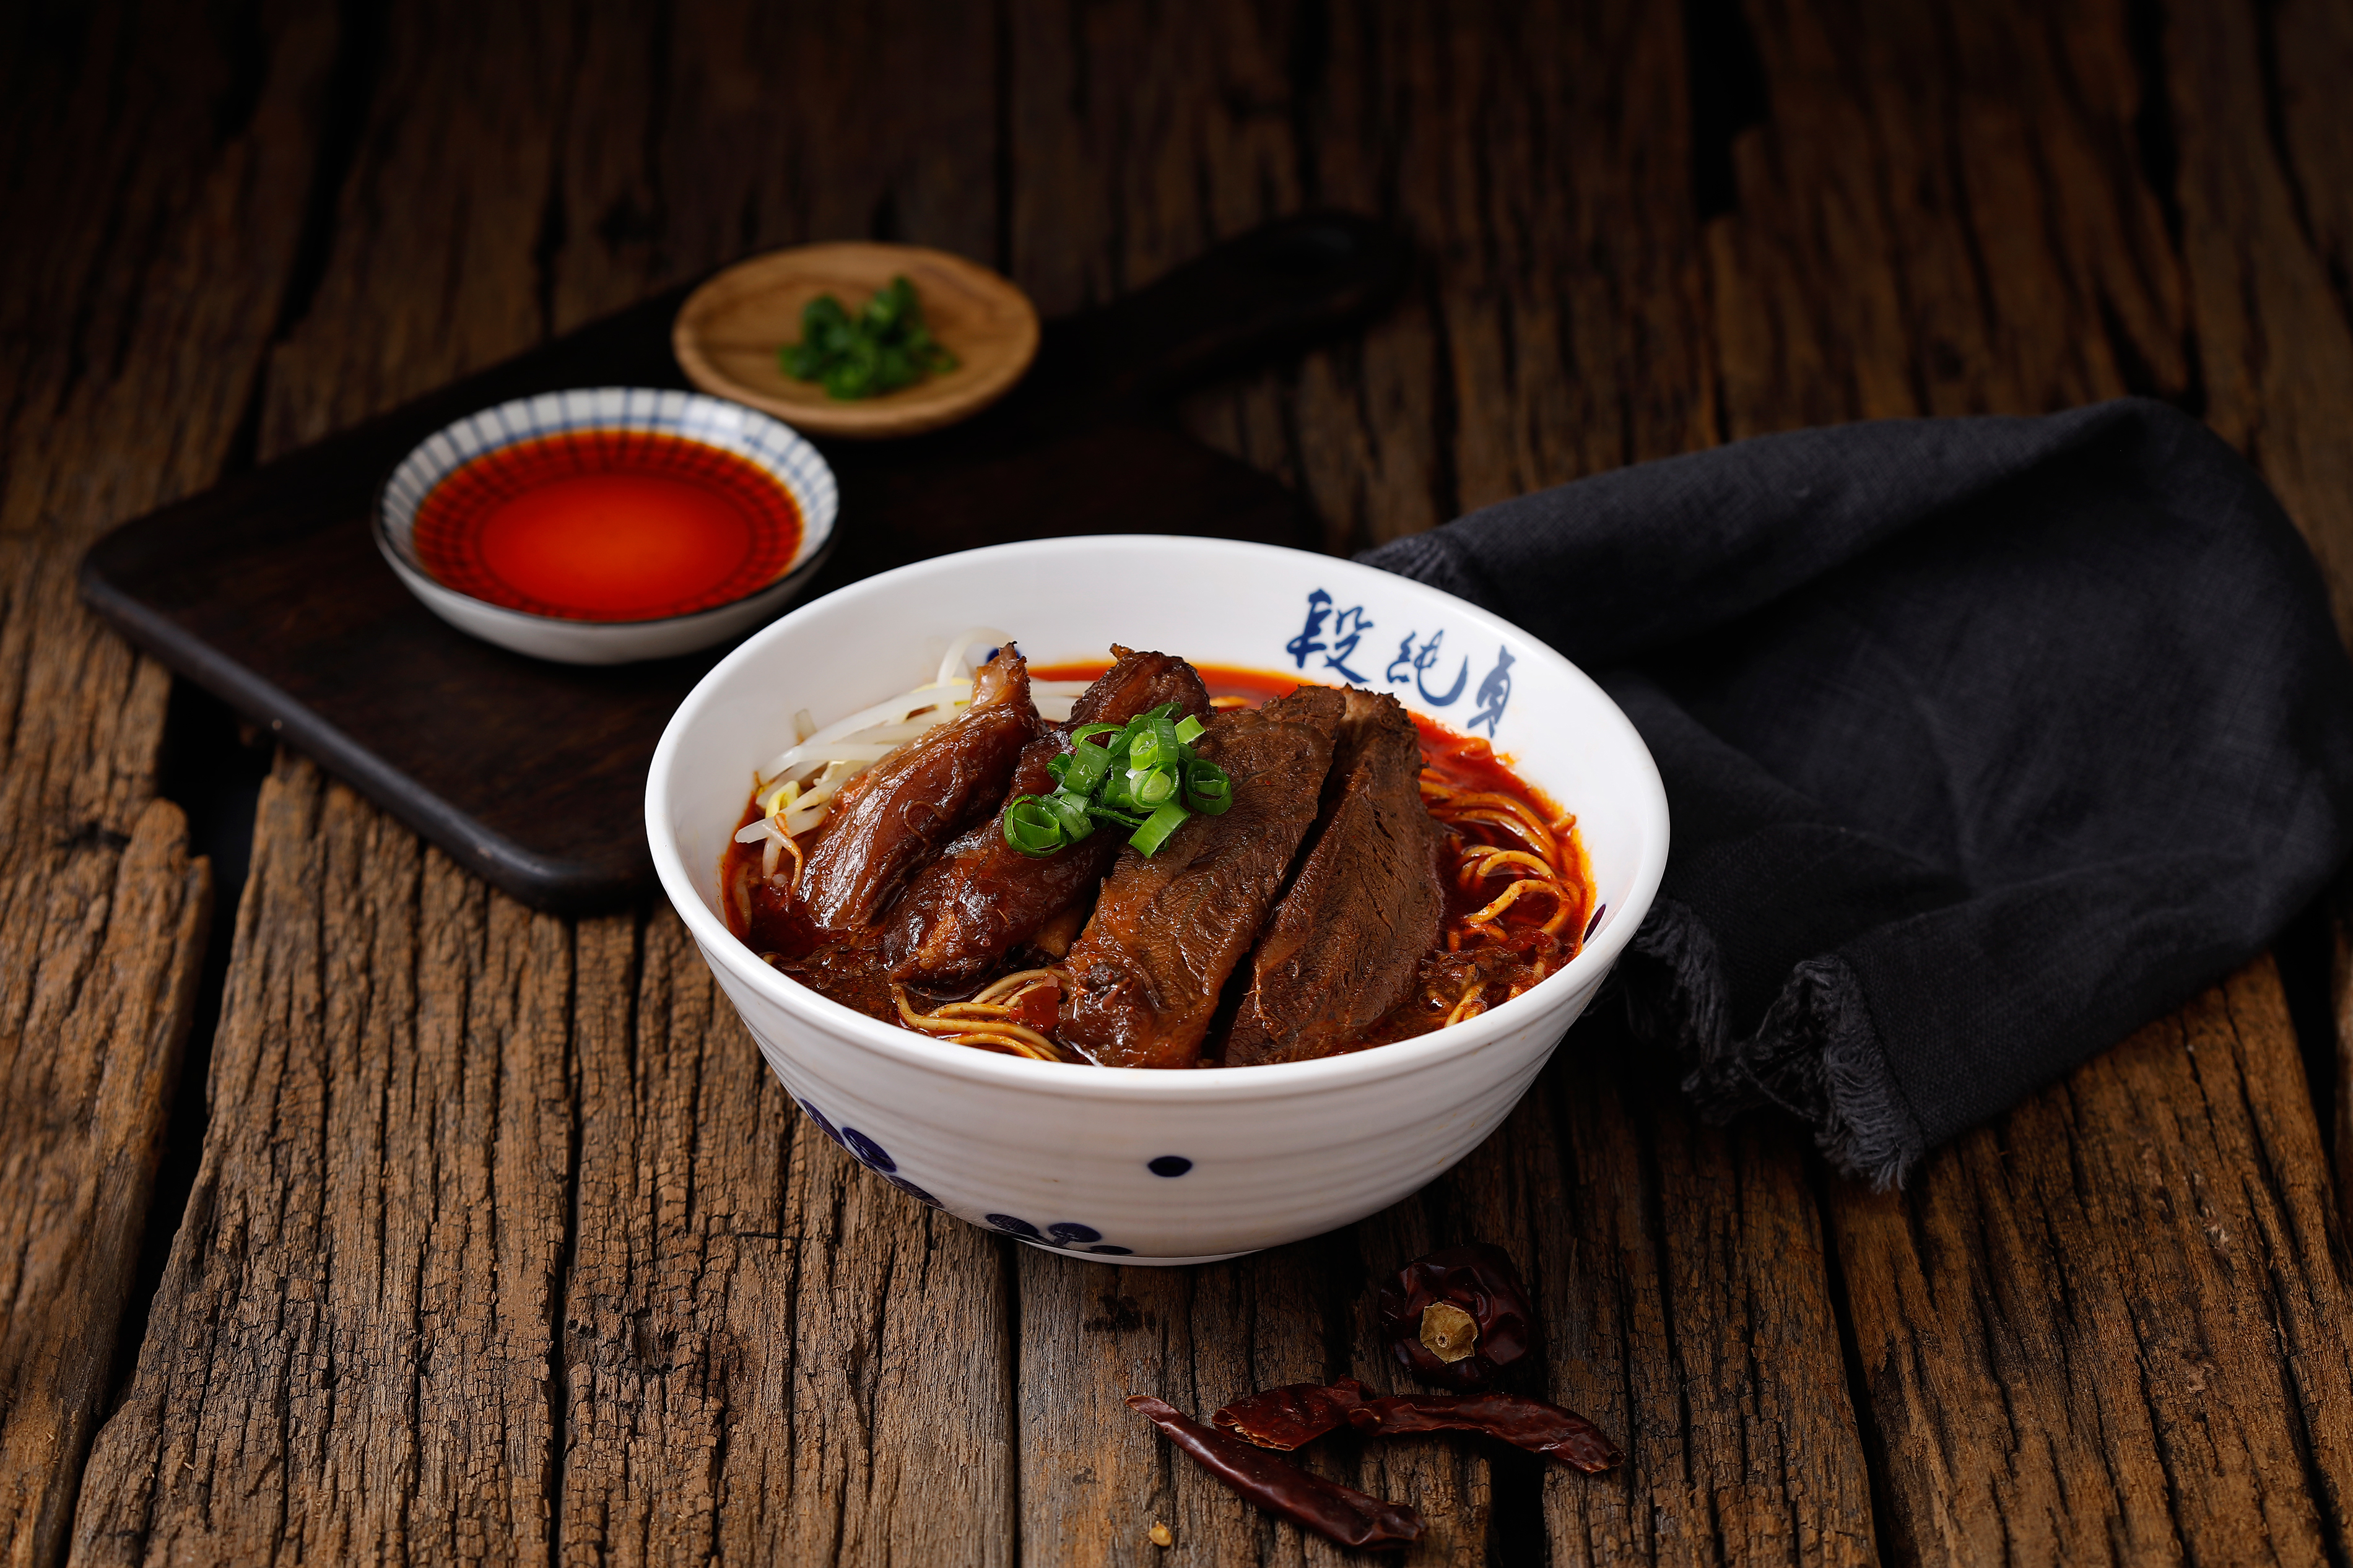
x=1349, y=933
x=984, y=897
x=1169, y=929
x=893, y=818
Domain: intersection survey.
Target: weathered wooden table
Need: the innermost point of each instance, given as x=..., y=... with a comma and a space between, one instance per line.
x=504, y=1245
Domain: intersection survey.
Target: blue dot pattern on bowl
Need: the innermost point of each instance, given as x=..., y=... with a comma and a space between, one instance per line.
x=1169, y=1165
x=1067, y=1233
x=813, y=1114
x=869, y=1153
x=914, y=1191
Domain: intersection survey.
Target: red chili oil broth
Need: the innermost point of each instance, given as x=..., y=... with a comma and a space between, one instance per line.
x=608, y=525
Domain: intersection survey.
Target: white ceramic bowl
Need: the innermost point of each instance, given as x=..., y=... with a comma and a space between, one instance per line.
x=1132, y=1164
x=768, y=444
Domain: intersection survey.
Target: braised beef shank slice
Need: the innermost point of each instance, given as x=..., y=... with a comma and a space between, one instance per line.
x=893, y=818
x=1365, y=905
x=1168, y=930
x=984, y=898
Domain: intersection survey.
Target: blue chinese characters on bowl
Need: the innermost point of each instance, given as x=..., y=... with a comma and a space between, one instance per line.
x=1333, y=635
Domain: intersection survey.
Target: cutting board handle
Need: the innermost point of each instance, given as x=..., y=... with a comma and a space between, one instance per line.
x=1275, y=289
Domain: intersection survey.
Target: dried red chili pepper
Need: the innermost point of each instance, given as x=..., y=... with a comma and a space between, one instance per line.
x=1533, y=1425
x=1335, y=1512
x=1458, y=1318
x=1292, y=1415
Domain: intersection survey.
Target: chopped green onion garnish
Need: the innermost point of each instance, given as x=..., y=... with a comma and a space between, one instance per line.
x=1031, y=828
x=1083, y=768
x=1208, y=790
x=1158, y=828
x=882, y=348
x=1157, y=747
x=1144, y=776
x=1069, y=814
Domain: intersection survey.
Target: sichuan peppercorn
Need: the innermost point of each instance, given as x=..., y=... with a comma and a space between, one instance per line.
x=1458, y=1318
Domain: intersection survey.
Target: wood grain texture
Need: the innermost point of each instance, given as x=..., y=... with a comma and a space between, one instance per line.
x=721, y=127
x=2307, y=58
x=355, y=1337
x=1540, y=157
x=2340, y=1017
x=349, y=1357
x=2311, y=59
x=1687, y=1293
x=1554, y=333
x=1943, y=212
x=1680, y=1274
x=96, y=999
x=612, y=1283
x=2107, y=1326
x=507, y=1247
x=2275, y=329
x=432, y=266
x=153, y=168
x=767, y=1355
x=2111, y=1326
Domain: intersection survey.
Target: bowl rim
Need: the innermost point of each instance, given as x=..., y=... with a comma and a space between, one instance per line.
x=1277, y=1080
x=816, y=532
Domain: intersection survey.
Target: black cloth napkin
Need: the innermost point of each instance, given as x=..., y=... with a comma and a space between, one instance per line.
x=1986, y=742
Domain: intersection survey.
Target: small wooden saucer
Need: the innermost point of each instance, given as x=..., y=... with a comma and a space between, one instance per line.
x=728, y=332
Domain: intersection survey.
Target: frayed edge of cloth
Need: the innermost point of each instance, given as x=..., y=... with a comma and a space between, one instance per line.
x=1817, y=1054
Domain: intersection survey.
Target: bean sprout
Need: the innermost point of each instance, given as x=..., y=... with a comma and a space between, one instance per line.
x=821, y=760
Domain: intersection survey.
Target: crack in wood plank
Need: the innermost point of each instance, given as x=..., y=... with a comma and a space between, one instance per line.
x=143, y=266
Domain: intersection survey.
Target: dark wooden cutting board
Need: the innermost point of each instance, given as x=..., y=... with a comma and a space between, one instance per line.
x=268, y=589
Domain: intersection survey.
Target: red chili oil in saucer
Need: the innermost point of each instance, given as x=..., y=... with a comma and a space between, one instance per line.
x=608, y=525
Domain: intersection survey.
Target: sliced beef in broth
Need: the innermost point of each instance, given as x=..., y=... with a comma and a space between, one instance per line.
x=984, y=897
x=893, y=818
x=1348, y=934
x=1167, y=930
